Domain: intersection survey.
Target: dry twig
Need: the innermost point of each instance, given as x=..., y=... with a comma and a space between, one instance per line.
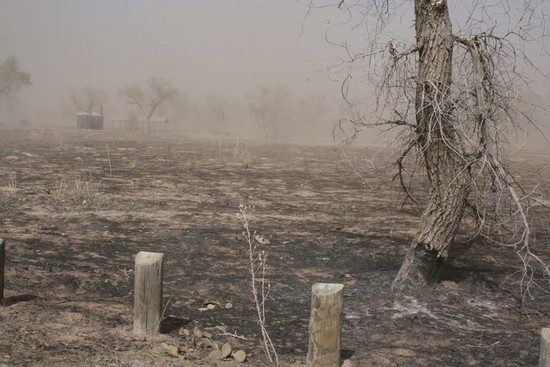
x=258, y=264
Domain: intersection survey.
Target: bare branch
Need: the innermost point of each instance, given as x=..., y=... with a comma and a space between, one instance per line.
x=455, y=99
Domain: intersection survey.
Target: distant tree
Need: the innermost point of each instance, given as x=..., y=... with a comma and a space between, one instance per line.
x=159, y=91
x=178, y=109
x=218, y=107
x=132, y=123
x=268, y=105
x=12, y=80
x=87, y=99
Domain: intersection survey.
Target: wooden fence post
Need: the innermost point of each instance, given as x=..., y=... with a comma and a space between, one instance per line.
x=2, y=260
x=325, y=325
x=544, y=360
x=147, y=292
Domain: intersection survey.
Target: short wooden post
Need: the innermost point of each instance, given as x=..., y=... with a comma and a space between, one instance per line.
x=325, y=325
x=544, y=360
x=148, y=292
x=2, y=260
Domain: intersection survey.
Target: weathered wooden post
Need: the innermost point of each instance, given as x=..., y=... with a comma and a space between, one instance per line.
x=544, y=360
x=148, y=292
x=325, y=325
x=2, y=259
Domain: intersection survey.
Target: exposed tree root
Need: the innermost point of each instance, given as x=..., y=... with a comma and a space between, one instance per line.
x=420, y=269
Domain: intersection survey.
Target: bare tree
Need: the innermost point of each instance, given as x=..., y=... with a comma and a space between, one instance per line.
x=179, y=106
x=160, y=91
x=218, y=106
x=268, y=104
x=12, y=80
x=87, y=99
x=455, y=97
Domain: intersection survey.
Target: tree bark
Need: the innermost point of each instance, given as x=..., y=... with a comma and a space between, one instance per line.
x=448, y=179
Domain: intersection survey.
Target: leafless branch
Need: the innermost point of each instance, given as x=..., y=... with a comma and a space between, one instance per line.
x=258, y=261
x=496, y=45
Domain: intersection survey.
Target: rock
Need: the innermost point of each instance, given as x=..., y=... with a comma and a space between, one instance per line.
x=11, y=158
x=261, y=240
x=205, y=342
x=226, y=350
x=347, y=363
x=240, y=356
x=222, y=328
x=213, y=356
x=172, y=350
x=197, y=332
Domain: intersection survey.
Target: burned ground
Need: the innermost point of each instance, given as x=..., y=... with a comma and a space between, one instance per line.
x=77, y=206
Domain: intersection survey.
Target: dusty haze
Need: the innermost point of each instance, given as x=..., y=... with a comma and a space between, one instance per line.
x=205, y=48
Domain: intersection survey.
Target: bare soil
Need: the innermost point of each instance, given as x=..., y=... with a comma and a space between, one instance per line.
x=77, y=206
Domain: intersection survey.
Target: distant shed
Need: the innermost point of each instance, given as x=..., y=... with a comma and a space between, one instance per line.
x=85, y=120
x=97, y=121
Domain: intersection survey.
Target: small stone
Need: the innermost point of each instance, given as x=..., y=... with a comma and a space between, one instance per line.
x=172, y=350
x=214, y=355
x=197, y=332
x=261, y=240
x=226, y=350
x=206, y=342
x=240, y=356
x=222, y=328
x=207, y=334
x=228, y=305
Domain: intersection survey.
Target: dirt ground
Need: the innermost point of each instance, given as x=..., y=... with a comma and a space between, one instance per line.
x=77, y=206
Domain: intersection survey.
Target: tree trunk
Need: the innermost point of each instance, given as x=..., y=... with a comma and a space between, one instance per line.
x=448, y=178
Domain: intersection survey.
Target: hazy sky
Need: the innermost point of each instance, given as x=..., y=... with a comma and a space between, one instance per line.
x=201, y=45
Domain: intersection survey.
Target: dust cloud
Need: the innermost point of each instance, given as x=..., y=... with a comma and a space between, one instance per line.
x=207, y=49
x=220, y=55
